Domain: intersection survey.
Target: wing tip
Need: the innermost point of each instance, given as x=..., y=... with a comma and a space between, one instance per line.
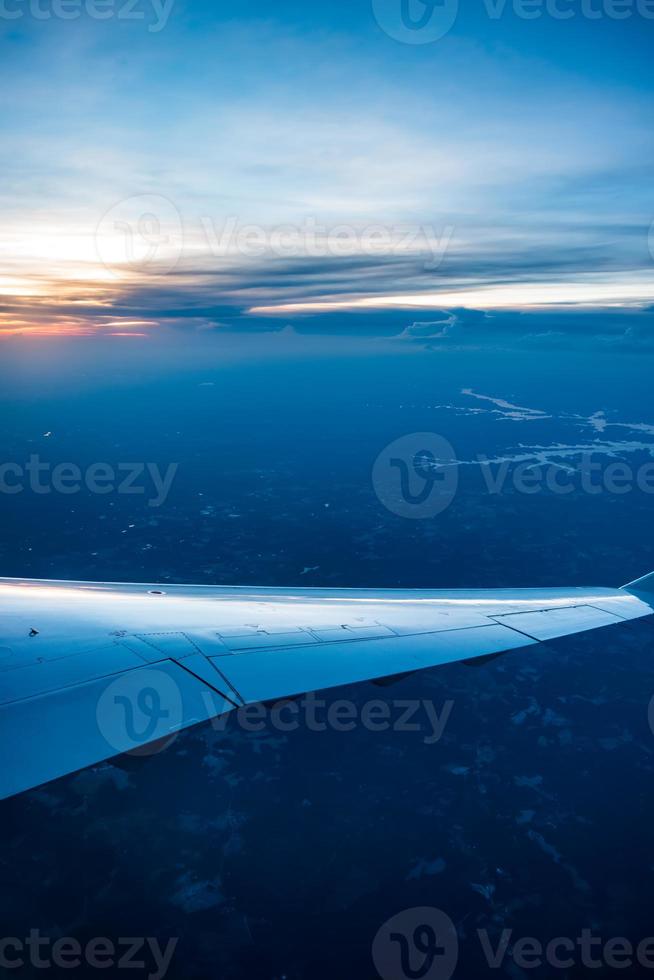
x=644, y=584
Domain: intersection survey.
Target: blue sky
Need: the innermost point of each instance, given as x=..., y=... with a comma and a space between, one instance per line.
x=212, y=166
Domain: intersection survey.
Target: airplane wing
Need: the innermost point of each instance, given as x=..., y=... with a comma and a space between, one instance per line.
x=89, y=671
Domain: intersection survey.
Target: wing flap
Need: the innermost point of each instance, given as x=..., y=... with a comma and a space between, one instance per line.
x=262, y=676
x=548, y=624
x=43, y=738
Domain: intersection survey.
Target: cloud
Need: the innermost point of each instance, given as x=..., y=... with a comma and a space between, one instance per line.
x=438, y=329
x=621, y=331
x=336, y=128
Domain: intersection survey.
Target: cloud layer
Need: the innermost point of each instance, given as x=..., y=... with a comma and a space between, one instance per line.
x=295, y=157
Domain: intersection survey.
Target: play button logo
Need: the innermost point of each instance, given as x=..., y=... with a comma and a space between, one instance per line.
x=417, y=944
x=416, y=21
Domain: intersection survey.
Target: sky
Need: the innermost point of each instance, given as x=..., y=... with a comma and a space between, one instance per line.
x=432, y=172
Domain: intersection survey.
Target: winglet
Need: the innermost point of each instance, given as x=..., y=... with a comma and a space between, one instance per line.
x=644, y=584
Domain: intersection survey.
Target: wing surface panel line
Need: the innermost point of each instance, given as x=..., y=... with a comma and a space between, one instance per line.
x=203, y=680
x=231, y=686
x=500, y=622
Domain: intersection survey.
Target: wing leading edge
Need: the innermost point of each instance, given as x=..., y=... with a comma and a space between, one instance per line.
x=92, y=670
